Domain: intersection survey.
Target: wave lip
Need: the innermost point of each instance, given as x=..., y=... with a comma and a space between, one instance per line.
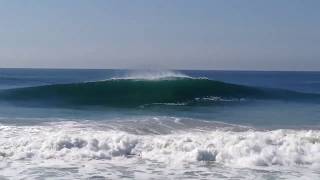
x=152, y=76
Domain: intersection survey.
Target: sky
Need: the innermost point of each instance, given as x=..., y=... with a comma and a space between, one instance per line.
x=161, y=34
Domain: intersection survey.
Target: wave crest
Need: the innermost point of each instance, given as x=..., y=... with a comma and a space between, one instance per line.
x=152, y=75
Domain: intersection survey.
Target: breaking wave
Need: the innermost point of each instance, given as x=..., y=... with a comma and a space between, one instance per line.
x=164, y=88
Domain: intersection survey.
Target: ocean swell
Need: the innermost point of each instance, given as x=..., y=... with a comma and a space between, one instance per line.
x=136, y=92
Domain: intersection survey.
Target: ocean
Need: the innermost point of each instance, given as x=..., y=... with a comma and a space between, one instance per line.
x=157, y=124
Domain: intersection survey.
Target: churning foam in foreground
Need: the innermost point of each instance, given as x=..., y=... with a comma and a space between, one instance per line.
x=242, y=149
x=72, y=150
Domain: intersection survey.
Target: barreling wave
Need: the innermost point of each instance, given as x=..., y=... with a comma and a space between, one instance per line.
x=136, y=92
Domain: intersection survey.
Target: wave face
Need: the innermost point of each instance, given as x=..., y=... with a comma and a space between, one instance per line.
x=135, y=92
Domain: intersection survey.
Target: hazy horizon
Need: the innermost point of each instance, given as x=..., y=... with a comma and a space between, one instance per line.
x=203, y=35
x=155, y=69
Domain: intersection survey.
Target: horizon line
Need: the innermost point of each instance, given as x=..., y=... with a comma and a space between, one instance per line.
x=151, y=69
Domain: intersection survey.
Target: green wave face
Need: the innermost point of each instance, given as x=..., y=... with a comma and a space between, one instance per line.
x=126, y=92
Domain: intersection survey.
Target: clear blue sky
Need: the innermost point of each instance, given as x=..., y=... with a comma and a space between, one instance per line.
x=169, y=34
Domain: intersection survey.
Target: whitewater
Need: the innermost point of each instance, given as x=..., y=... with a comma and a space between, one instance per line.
x=167, y=154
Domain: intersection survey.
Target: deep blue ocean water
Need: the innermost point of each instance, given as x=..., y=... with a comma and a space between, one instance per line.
x=271, y=113
x=220, y=135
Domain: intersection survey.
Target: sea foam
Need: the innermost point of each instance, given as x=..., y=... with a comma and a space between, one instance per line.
x=250, y=148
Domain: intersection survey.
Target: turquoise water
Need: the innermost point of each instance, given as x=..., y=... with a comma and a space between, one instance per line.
x=155, y=124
